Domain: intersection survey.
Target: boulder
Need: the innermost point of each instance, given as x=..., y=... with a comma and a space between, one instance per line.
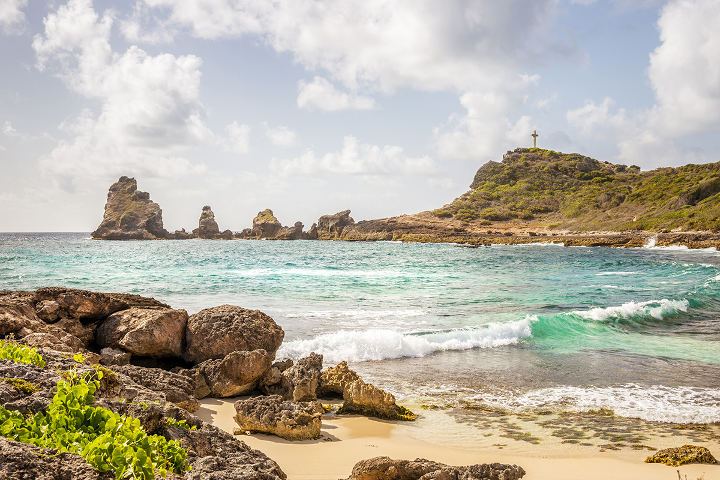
x=291, y=233
x=114, y=356
x=265, y=225
x=275, y=416
x=58, y=341
x=130, y=214
x=273, y=382
x=182, y=235
x=200, y=386
x=48, y=310
x=236, y=374
x=334, y=379
x=231, y=329
x=681, y=455
x=304, y=378
x=385, y=468
x=178, y=389
x=152, y=332
x=207, y=227
x=330, y=227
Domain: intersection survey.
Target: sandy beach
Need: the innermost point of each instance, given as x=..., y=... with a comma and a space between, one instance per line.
x=437, y=436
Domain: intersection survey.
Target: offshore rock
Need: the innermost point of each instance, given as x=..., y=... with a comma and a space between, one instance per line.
x=230, y=328
x=236, y=374
x=130, y=214
x=272, y=415
x=208, y=227
x=385, y=468
x=330, y=227
x=681, y=455
x=144, y=331
x=265, y=225
x=291, y=233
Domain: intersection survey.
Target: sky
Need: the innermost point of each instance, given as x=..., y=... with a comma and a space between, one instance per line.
x=310, y=107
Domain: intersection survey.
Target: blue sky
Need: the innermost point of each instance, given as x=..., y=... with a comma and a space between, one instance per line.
x=310, y=107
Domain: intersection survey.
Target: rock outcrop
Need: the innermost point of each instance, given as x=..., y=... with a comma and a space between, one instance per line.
x=291, y=233
x=330, y=227
x=156, y=332
x=385, y=468
x=681, y=455
x=130, y=214
x=303, y=378
x=265, y=225
x=231, y=329
x=207, y=226
x=237, y=373
x=275, y=416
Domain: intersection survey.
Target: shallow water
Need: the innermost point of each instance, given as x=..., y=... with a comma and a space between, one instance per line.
x=524, y=328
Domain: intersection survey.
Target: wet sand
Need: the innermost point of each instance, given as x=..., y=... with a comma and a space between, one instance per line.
x=438, y=436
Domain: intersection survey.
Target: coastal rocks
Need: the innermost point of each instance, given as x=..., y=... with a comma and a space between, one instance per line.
x=130, y=214
x=231, y=329
x=208, y=227
x=304, y=378
x=144, y=331
x=236, y=374
x=360, y=397
x=265, y=225
x=681, y=455
x=273, y=415
x=114, y=356
x=385, y=468
x=330, y=227
x=291, y=233
x=178, y=389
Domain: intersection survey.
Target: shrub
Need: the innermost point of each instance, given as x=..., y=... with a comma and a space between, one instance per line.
x=19, y=353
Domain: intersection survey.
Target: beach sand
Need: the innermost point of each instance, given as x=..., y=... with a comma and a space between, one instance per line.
x=438, y=436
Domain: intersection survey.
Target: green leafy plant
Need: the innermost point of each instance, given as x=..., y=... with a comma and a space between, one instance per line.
x=107, y=440
x=173, y=422
x=18, y=353
x=20, y=385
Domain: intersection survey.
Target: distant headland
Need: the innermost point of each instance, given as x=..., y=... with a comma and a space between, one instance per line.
x=532, y=195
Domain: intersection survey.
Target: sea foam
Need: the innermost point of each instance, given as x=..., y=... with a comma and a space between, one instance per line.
x=382, y=344
x=658, y=309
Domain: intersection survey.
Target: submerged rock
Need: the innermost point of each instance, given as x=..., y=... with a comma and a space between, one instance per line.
x=275, y=416
x=681, y=455
x=385, y=468
x=130, y=214
x=156, y=332
x=218, y=331
x=236, y=374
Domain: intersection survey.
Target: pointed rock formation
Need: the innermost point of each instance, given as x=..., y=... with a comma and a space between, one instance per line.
x=265, y=225
x=330, y=227
x=208, y=227
x=130, y=214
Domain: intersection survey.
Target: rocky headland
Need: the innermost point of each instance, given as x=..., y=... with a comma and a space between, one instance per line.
x=531, y=196
x=153, y=363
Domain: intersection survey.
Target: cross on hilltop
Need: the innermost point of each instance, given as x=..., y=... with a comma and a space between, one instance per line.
x=534, y=135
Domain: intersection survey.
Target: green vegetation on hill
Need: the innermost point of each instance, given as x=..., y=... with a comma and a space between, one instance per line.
x=544, y=187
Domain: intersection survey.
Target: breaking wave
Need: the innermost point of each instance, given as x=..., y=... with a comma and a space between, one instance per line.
x=658, y=309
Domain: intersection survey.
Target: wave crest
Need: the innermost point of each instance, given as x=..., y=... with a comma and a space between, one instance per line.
x=658, y=309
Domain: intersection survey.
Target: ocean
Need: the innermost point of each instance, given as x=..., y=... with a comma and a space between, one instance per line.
x=524, y=328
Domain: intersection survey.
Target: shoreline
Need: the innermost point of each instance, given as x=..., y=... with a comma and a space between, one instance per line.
x=437, y=436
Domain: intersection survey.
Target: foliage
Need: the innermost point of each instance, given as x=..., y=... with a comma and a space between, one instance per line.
x=19, y=353
x=20, y=385
x=173, y=422
x=107, y=440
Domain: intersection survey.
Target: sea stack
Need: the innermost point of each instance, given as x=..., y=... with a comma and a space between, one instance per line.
x=207, y=226
x=330, y=227
x=130, y=214
x=265, y=225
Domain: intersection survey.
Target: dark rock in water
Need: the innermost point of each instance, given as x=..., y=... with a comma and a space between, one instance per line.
x=312, y=234
x=226, y=235
x=21, y=461
x=291, y=233
x=385, y=468
x=681, y=455
x=156, y=332
x=265, y=225
x=275, y=416
x=236, y=374
x=230, y=328
x=182, y=235
x=130, y=214
x=330, y=227
x=208, y=227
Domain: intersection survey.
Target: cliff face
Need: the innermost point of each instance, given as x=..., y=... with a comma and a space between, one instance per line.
x=130, y=214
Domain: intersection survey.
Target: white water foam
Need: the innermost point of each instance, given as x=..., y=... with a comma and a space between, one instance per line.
x=651, y=244
x=656, y=402
x=381, y=344
x=356, y=314
x=604, y=274
x=658, y=309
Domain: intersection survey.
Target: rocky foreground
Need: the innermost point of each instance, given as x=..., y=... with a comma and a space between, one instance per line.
x=158, y=361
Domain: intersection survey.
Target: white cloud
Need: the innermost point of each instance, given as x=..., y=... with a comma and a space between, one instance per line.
x=356, y=159
x=281, y=135
x=320, y=94
x=12, y=17
x=592, y=117
x=238, y=138
x=149, y=109
x=8, y=129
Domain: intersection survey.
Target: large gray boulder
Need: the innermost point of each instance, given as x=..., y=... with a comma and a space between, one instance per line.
x=275, y=416
x=156, y=332
x=236, y=374
x=218, y=331
x=385, y=468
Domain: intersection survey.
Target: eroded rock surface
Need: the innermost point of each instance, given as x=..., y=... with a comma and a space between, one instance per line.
x=207, y=226
x=385, y=468
x=156, y=332
x=681, y=455
x=275, y=416
x=235, y=374
x=330, y=227
x=265, y=225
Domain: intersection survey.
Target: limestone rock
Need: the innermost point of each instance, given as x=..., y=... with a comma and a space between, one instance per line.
x=265, y=225
x=330, y=227
x=334, y=380
x=385, y=468
x=304, y=378
x=130, y=214
x=178, y=389
x=231, y=329
x=681, y=455
x=291, y=233
x=208, y=227
x=153, y=332
x=272, y=415
x=48, y=310
x=114, y=356
x=200, y=386
x=182, y=235
x=88, y=306
x=236, y=374
x=312, y=234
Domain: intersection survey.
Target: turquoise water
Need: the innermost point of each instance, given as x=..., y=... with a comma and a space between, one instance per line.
x=520, y=327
